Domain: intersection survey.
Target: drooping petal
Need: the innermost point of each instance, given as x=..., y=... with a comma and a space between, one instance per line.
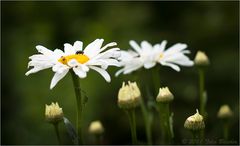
x=78, y=71
x=173, y=66
x=57, y=77
x=149, y=64
x=105, y=75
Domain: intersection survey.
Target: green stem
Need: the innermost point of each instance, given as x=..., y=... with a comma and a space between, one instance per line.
x=147, y=122
x=79, y=99
x=225, y=131
x=146, y=114
x=196, y=136
x=165, y=122
x=156, y=80
x=202, y=97
x=57, y=132
x=132, y=121
x=201, y=92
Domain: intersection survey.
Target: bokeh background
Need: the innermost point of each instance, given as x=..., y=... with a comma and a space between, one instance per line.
x=209, y=26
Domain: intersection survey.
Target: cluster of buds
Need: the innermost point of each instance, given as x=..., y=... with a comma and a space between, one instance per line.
x=129, y=96
x=195, y=122
x=53, y=113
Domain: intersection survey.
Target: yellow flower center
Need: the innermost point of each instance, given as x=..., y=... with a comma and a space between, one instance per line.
x=161, y=56
x=81, y=58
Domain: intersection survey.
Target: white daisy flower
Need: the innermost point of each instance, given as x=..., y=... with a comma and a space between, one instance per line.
x=74, y=57
x=148, y=56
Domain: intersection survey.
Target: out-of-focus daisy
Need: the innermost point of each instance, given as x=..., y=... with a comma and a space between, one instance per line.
x=148, y=56
x=94, y=56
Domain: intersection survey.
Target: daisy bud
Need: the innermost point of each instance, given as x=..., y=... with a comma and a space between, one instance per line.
x=164, y=95
x=225, y=112
x=129, y=96
x=53, y=113
x=201, y=59
x=195, y=122
x=96, y=128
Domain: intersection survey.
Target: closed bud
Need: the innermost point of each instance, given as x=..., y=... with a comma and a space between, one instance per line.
x=195, y=122
x=96, y=128
x=164, y=95
x=129, y=96
x=201, y=59
x=225, y=112
x=53, y=113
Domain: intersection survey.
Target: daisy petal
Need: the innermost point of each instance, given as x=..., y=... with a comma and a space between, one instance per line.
x=68, y=49
x=78, y=46
x=149, y=64
x=93, y=48
x=57, y=77
x=135, y=46
x=105, y=75
x=146, y=46
x=44, y=50
x=78, y=71
x=173, y=66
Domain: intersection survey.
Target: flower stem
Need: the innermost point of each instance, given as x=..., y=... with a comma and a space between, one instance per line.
x=195, y=135
x=225, y=131
x=132, y=121
x=147, y=122
x=57, y=132
x=79, y=99
x=165, y=122
x=201, y=92
x=156, y=80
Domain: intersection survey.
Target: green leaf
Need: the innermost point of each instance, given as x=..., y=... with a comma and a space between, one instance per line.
x=71, y=130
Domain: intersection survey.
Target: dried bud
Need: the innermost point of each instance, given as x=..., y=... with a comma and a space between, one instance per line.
x=225, y=112
x=129, y=96
x=96, y=128
x=201, y=59
x=164, y=95
x=195, y=122
x=53, y=113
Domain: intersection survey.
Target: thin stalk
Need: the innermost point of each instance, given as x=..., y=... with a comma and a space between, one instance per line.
x=156, y=80
x=202, y=97
x=165, y=122
x=201, y=92
x=79, y=100
x=132, y=121
x=57, y=132
x=225, y=131
x=196, y=136
x=147, y=122
x=146, y=113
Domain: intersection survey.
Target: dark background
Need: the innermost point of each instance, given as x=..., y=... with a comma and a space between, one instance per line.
x=209, y=26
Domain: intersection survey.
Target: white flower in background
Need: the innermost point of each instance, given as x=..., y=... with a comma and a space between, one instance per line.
x=148, y=56
x=74, y=57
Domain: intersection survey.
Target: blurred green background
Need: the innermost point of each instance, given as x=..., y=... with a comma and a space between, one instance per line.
x=209, y=26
